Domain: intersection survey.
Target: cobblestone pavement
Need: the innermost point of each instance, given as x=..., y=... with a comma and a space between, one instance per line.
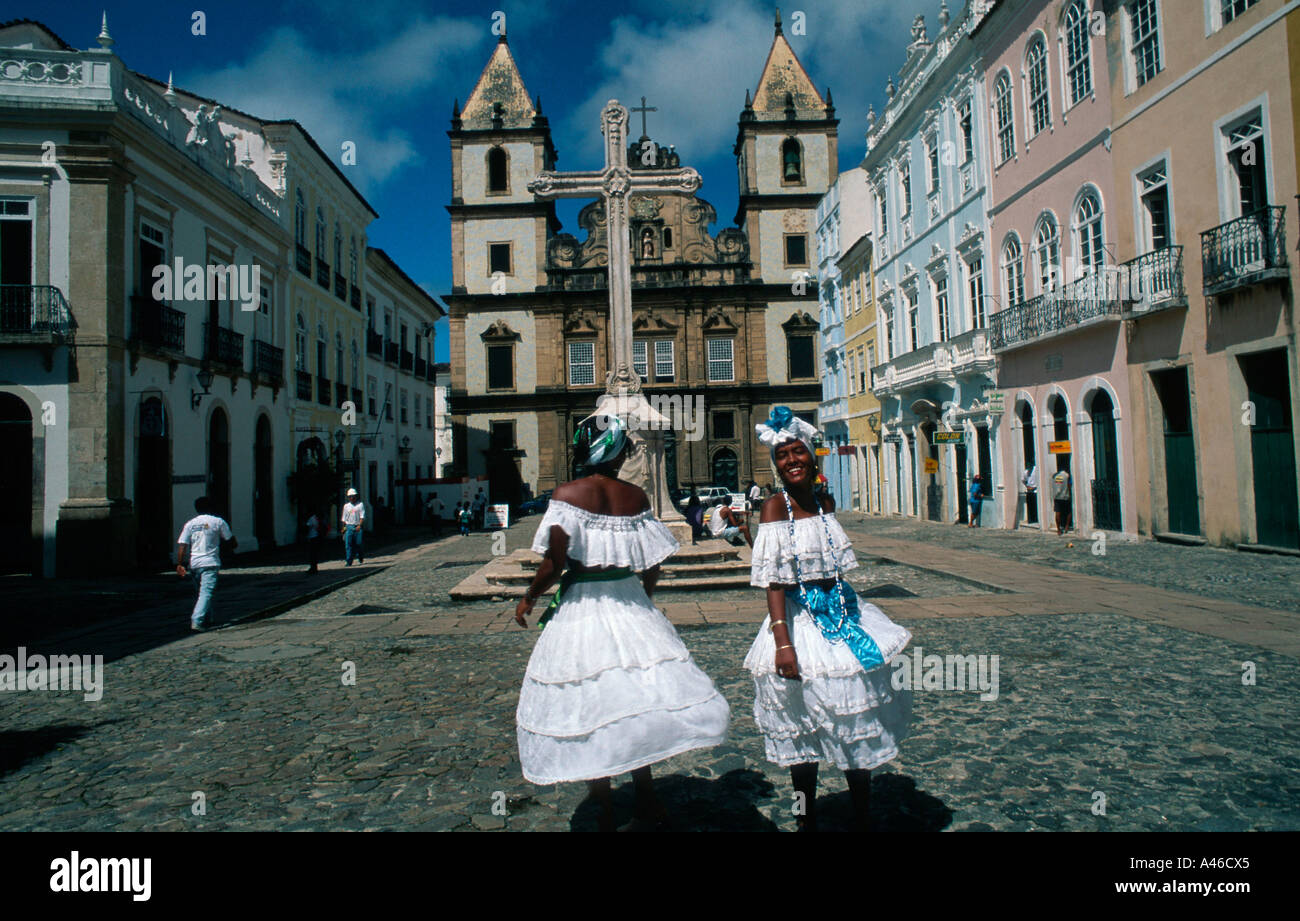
x=257, y=718
x=1250, y=578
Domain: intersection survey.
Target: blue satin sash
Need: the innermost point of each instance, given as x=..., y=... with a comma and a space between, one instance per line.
x=841, y=627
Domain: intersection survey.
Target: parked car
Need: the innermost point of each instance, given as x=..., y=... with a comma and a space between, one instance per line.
x=537, y=504
x=709, y=496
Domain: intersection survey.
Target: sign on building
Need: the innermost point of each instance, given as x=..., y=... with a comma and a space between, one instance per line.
x=496, y=517
x=948, y=438
x=1058, y=447
x=931, y=465
x=996, y=402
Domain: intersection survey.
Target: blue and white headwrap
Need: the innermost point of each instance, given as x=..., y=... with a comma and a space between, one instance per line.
x=783, y=425
x=608, y=444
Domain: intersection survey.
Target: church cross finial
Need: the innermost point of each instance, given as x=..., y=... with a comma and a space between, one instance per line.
x=778, y=21
x=643, y=109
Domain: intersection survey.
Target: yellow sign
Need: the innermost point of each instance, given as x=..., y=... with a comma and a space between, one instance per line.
x=931, y=465
x=1058, y=447
x=822, y=452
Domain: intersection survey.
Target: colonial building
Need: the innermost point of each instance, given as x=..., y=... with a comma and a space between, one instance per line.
x=724, y=323
x=1060, y=336
x=1203, y=151
x=397, y=434
x=861, y=335
x=927, y=159
x=443, y=449
x=842, y=217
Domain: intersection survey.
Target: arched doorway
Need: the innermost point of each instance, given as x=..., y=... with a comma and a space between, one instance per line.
x=153, y=485
x=1029, y=453
x=1105, y=465
x=263, y=485
x=16, y=546
x=219, y=464
x=726, y=470
x=1061, y=433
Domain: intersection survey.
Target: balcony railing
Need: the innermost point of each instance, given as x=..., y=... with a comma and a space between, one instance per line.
x=1244, y=252
x=34, y=314
x=323, y=274
x=354, y=297
x=421, y=368
x=938, y=362
x=1093, y=297
x=340, y=287
x=268, y=362
x=223, y=345
x=390, y=352
x=1155, y=281
x=340, y=393
x=304, y=384
x=374, y=344
x=157, y=325
x=407, y=361
x=323, y=391
x=304, y=259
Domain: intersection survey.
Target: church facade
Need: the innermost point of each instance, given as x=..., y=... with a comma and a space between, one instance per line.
x=724, y=324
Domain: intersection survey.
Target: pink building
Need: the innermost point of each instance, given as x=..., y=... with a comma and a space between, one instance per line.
x=1058, y=330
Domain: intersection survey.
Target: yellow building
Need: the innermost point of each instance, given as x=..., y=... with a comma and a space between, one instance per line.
x=860, y=355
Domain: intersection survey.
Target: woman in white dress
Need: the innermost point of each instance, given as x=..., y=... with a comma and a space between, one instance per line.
x=610, y=687
x=822, y=688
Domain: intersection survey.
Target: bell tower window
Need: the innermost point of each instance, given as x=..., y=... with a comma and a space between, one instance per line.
x=791, y=162
x=497, y=172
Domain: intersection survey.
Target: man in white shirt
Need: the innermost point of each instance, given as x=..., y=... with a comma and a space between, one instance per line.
x=354, y=517
x=726, y=524
x=755, y=496
x=200, y=546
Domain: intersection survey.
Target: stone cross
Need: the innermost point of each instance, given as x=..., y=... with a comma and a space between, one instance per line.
x=615, y=184
x=643, y=109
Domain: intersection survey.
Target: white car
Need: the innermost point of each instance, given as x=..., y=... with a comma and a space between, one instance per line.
x=709, y=496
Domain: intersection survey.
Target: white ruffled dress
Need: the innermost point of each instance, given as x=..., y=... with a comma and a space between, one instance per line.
x=610, y=687
x=840, y=712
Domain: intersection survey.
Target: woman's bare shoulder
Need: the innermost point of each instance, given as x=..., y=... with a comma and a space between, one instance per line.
x=773, y=509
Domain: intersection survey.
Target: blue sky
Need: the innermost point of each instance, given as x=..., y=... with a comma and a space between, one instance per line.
x=384, y=73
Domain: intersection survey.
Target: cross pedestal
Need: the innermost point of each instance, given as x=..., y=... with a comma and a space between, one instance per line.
x=644, y=464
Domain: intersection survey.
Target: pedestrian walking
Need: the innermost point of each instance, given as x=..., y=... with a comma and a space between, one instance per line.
x=753, y=497
x=1030, y=480
x=353, y=520
x=610, y=687
x=315, y=523
x=1061, y=500
x=976, y=497
x=198, y=549
x=466, y=517
x=822, y=685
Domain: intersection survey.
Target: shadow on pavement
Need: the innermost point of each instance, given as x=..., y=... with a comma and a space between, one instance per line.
x=730, y=803
x=19, y=746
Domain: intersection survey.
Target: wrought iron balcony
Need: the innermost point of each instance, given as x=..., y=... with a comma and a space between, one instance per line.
x=421, y=368
x=323, y=273
x=340, y=287
x=407, y=361
x=354, y=297
x=323, y=391
x=223, y=345
x=1247, y=251
x=34, y=315
x=157, y=325
x=304, y=384
x=304, y=259
x=390, y=352
x=1155, y=281
x=374, y=344
x=268, y=362
x=1093, y=298
x=340, y=393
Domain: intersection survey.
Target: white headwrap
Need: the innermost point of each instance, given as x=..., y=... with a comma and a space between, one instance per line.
x=783, y=425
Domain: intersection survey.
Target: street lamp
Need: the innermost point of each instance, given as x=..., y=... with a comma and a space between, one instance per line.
x=205, y=381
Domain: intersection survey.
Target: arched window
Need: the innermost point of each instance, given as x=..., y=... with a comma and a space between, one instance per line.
x=352, y=265
x=299, y=219
x=1088, y=240
x=1013, y=271
x=1040, y=103
x=322, y=365
x=356, y=358
x=1005, y=120
x=791, y=162
x=1078, y=52
x=338, y=357
x=497, y=170
x=1047, y=253
x=300, y=345
x=320, y=234
x=338, y=248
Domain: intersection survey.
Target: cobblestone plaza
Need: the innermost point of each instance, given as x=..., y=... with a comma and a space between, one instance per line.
x=1120, y=702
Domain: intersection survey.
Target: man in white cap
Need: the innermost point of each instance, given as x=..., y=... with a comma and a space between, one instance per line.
x=354, y=515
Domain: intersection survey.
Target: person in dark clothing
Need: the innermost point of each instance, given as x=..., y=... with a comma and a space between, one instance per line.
x=695, y=516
